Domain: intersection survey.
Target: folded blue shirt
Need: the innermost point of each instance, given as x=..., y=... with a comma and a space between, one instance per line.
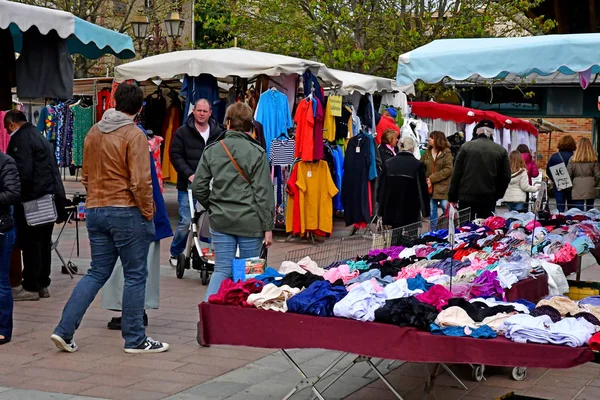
x=418, y=282
x=483, y=332
x=269, y=276
x=317, y=299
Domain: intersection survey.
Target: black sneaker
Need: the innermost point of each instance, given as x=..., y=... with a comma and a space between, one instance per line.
x=149, y=346
x=115, y=322
x=68, y=346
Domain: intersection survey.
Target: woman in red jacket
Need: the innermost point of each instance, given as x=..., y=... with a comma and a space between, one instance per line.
x=532, y=169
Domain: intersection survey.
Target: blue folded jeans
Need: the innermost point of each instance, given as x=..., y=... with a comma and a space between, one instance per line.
x=7, y=241
x=114, y=232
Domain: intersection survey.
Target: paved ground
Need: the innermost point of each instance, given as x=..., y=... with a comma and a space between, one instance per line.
x=31, y=368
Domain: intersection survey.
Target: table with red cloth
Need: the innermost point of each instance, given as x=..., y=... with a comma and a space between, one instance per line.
x=252, y=327
x=532, y=289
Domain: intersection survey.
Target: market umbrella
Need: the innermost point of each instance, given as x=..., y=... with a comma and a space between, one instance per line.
x=220, y=63
x=90, y=40
x=545, y=59
x=363, y=83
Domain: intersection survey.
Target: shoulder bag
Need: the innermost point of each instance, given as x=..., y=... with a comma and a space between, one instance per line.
x=235, y=164
x=40, y=211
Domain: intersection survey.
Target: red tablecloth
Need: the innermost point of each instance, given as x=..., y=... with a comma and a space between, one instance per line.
x=230, y=325
x=569, y=267
x=596, y=252
x=532, y=289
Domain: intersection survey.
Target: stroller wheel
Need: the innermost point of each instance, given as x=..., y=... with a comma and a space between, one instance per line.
x=204, y=276
x=180, y=269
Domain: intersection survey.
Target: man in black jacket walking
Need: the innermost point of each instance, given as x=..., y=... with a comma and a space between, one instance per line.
x=39, y=176
x=481, y=173
x=187, y=147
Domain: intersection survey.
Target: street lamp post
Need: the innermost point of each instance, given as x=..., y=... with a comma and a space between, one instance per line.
x=174, y=25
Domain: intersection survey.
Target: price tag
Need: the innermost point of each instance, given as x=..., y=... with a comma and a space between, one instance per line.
x=309, y=174
x=358, y=149
x=336, y=105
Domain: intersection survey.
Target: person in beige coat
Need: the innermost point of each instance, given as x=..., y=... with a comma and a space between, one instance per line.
x=584, y=171
x=439, y=163
x=516, y=194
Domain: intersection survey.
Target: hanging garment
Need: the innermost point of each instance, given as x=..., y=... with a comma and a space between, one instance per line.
x=282, y=152
x=384, y=124
x=355, y=182
x=311, y=82
x=305, y=123
x=154, y=144
x=294, y=222
x=4, y=136
x=329, y=124
x=396, y=100
x=103, y=103
x=287, y=83
x=258, y=134
x=83, y=120
x=318, y=133
x=153, y=114
x=8, y=70
x=203, y=86
x=338, y=162
x=273, y=112
x=314, y=180
x=343, y=124
x=171, y=124
x=44, y=67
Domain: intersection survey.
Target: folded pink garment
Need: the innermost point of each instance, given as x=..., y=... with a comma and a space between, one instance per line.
x=412, y=271
x=423, y=252
x=342, y=272
x=530, y=225
x=437, y=296
x=566, y=253
x=495, y=223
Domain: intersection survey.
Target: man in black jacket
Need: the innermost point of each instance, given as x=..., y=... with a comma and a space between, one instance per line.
x=187, y=147
x=39, y=176
x=481, y=173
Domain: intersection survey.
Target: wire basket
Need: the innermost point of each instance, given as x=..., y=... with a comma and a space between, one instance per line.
x=324, y=254
x=464, y=216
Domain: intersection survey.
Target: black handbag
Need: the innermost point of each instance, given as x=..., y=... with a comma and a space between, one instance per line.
x=6, y=222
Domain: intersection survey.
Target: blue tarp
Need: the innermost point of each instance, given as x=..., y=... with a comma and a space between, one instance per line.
x=460, y=59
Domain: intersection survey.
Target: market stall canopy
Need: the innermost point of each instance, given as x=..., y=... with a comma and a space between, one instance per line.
x=91, y=41
x=449, y=112
x=220, y=63
x=556, y=57
x=362, y=83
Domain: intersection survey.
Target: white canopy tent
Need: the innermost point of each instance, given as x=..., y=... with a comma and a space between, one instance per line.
x=362, y=83
x=220, y=63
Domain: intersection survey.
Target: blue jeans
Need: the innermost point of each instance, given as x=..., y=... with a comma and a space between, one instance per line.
x=225, y=247
x=563, y=200
x=114, y=232
x=584, y=205
x=183, y=226
x=434, y=204
x=517, y=206
x=7, y=242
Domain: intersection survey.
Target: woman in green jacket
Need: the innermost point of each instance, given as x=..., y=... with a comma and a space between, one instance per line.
x=439, y=161
x=240, y=199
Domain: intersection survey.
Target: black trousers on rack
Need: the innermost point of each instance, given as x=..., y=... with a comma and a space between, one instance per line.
x=36, y=244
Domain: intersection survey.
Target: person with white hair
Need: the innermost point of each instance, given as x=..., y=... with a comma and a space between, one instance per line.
x=481, y=173
x=404, y=196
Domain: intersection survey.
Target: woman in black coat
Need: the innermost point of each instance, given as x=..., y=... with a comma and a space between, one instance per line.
x=387, y=149
x=10, y=192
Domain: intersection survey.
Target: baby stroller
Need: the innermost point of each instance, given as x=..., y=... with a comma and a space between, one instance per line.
x=195, y=256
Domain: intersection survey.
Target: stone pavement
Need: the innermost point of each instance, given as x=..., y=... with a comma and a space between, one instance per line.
x=32, y=368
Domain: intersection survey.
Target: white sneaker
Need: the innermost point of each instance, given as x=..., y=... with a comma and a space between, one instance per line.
x=149, y=346
x=62, y=344
x=173, y=262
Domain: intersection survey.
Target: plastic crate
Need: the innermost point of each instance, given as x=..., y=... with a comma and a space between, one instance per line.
x=512, y=396
x=582, y=289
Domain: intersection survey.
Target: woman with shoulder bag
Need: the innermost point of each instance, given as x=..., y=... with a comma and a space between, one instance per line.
x=566, y=148
x=240, y=202
x=584, y=171
x=439, y=163
x=10, y=192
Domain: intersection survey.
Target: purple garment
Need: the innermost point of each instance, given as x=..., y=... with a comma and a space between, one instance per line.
x=423, y=252
x=591, y=300
x=449, y=266
x=487, y=285
x=392, y=252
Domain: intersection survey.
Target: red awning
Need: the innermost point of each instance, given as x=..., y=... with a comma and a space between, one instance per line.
x=449, y=112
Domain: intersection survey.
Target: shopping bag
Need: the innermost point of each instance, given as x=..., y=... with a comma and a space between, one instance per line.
x=238, y=269
x=561, y=177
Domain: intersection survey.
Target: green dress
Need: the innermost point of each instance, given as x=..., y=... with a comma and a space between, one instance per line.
x=83, y=119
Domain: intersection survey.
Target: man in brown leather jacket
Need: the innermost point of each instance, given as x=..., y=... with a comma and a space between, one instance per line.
x=116, y=174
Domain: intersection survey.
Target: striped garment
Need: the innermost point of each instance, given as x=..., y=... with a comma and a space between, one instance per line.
x=282, y=152
x=40, y=211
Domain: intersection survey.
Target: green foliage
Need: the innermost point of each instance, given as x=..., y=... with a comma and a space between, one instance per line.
x=213, y=22
x=367, y=36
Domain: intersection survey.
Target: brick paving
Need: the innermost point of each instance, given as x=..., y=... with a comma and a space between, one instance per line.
x=32, y=368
